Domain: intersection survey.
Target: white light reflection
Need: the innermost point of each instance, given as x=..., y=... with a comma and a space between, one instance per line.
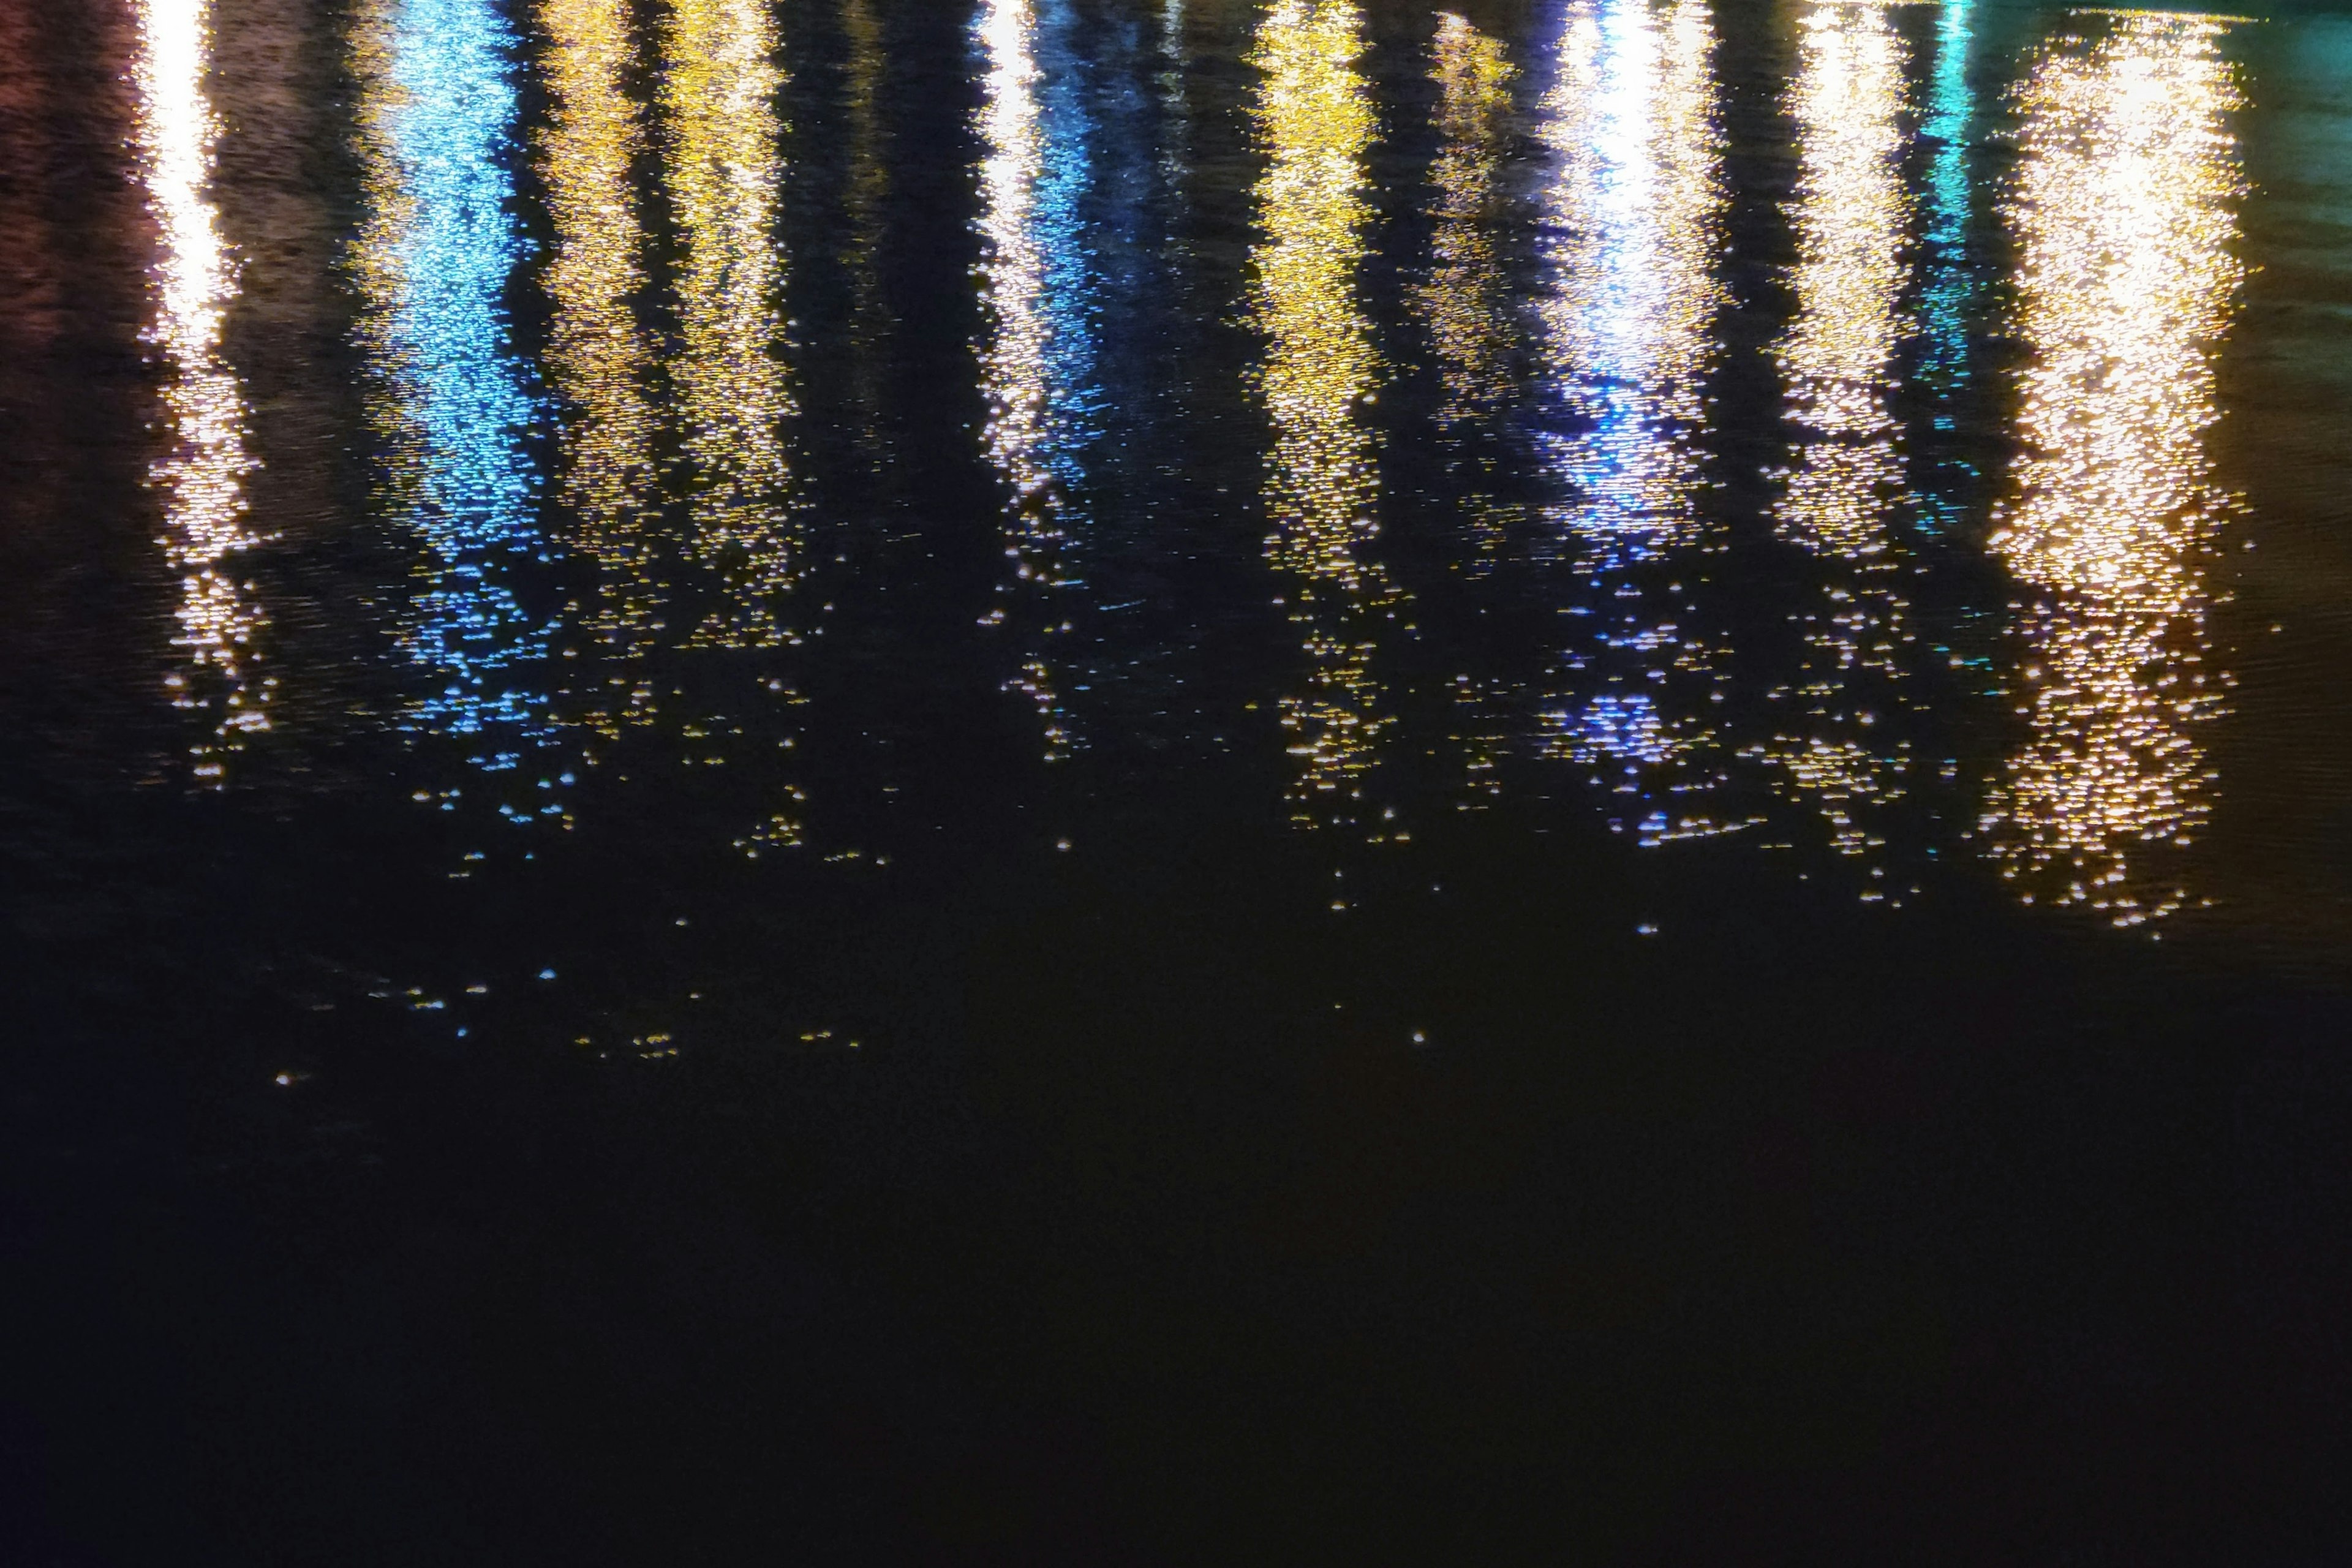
x=2124, y=211
x=1320, y=367
x=1632, y=235
x=434, y=256
x=1837, y=361
x=205, y=506
x=1037, y=359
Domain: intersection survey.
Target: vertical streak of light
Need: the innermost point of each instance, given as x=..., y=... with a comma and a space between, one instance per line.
x=1632, y=230
x=2124, y=211
x=1037, y=357
x=1464, y=311
x=867, y=199
x=733, y=390
x=1944, y=369
x=1837, y=360
x=1173, y=105
x=203, y=478
x=1320, y=367
x=434, y=255
x=1461, y=302
x=599, y=360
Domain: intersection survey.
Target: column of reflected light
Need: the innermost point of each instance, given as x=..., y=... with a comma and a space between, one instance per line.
x=1950, y=283
x=1837, y=362
x=434, y=255
x=1320, y=367
x=1175, y=108
x=1037, y=357
x=203, y=478
x=598, y=357
x=1633, y=232
x=868, y=198
x=724, y=163
x=2125, y=213
x=1464, y=310
x=1463, y=304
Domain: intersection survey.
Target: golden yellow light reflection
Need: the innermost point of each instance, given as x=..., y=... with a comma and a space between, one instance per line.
x=203, y=478
x=2125, y=213
x=598, y=358
x=1838, y=363
x=1320, y=367
x=1034, y=335
x=1630, y=243
x=734, y=394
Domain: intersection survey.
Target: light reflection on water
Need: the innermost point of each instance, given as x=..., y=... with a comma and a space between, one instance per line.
x=725, y=171
x=1949, y=279
x=2125, y=211
x=1464, y=299
x=1688, y=469
x=599, y=362
x=434, y=255
x=1839, y=499
x=1468, y=315
x=868, y=200
x=1632, y=230
x=1320, y=368
x=203, y=479
x=1037, y=362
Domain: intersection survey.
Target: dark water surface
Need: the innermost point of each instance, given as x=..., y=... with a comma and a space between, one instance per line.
x=1175, y=780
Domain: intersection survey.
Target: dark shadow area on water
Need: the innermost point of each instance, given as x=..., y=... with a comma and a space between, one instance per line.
x=1139, y=1225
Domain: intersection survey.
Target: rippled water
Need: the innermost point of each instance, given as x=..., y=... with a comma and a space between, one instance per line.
x=1238, y=637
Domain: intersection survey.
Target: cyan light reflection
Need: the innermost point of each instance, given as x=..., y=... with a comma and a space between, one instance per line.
x=203, y=478
x=1320, y=367
x=1838, y=363
x=1037, y=360
x=723, y=163
x=2125, y=213
x=434, y=256
x=598, y=359
x=1631, y=234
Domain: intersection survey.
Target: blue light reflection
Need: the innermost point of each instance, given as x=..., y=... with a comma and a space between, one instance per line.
x=433, y=258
